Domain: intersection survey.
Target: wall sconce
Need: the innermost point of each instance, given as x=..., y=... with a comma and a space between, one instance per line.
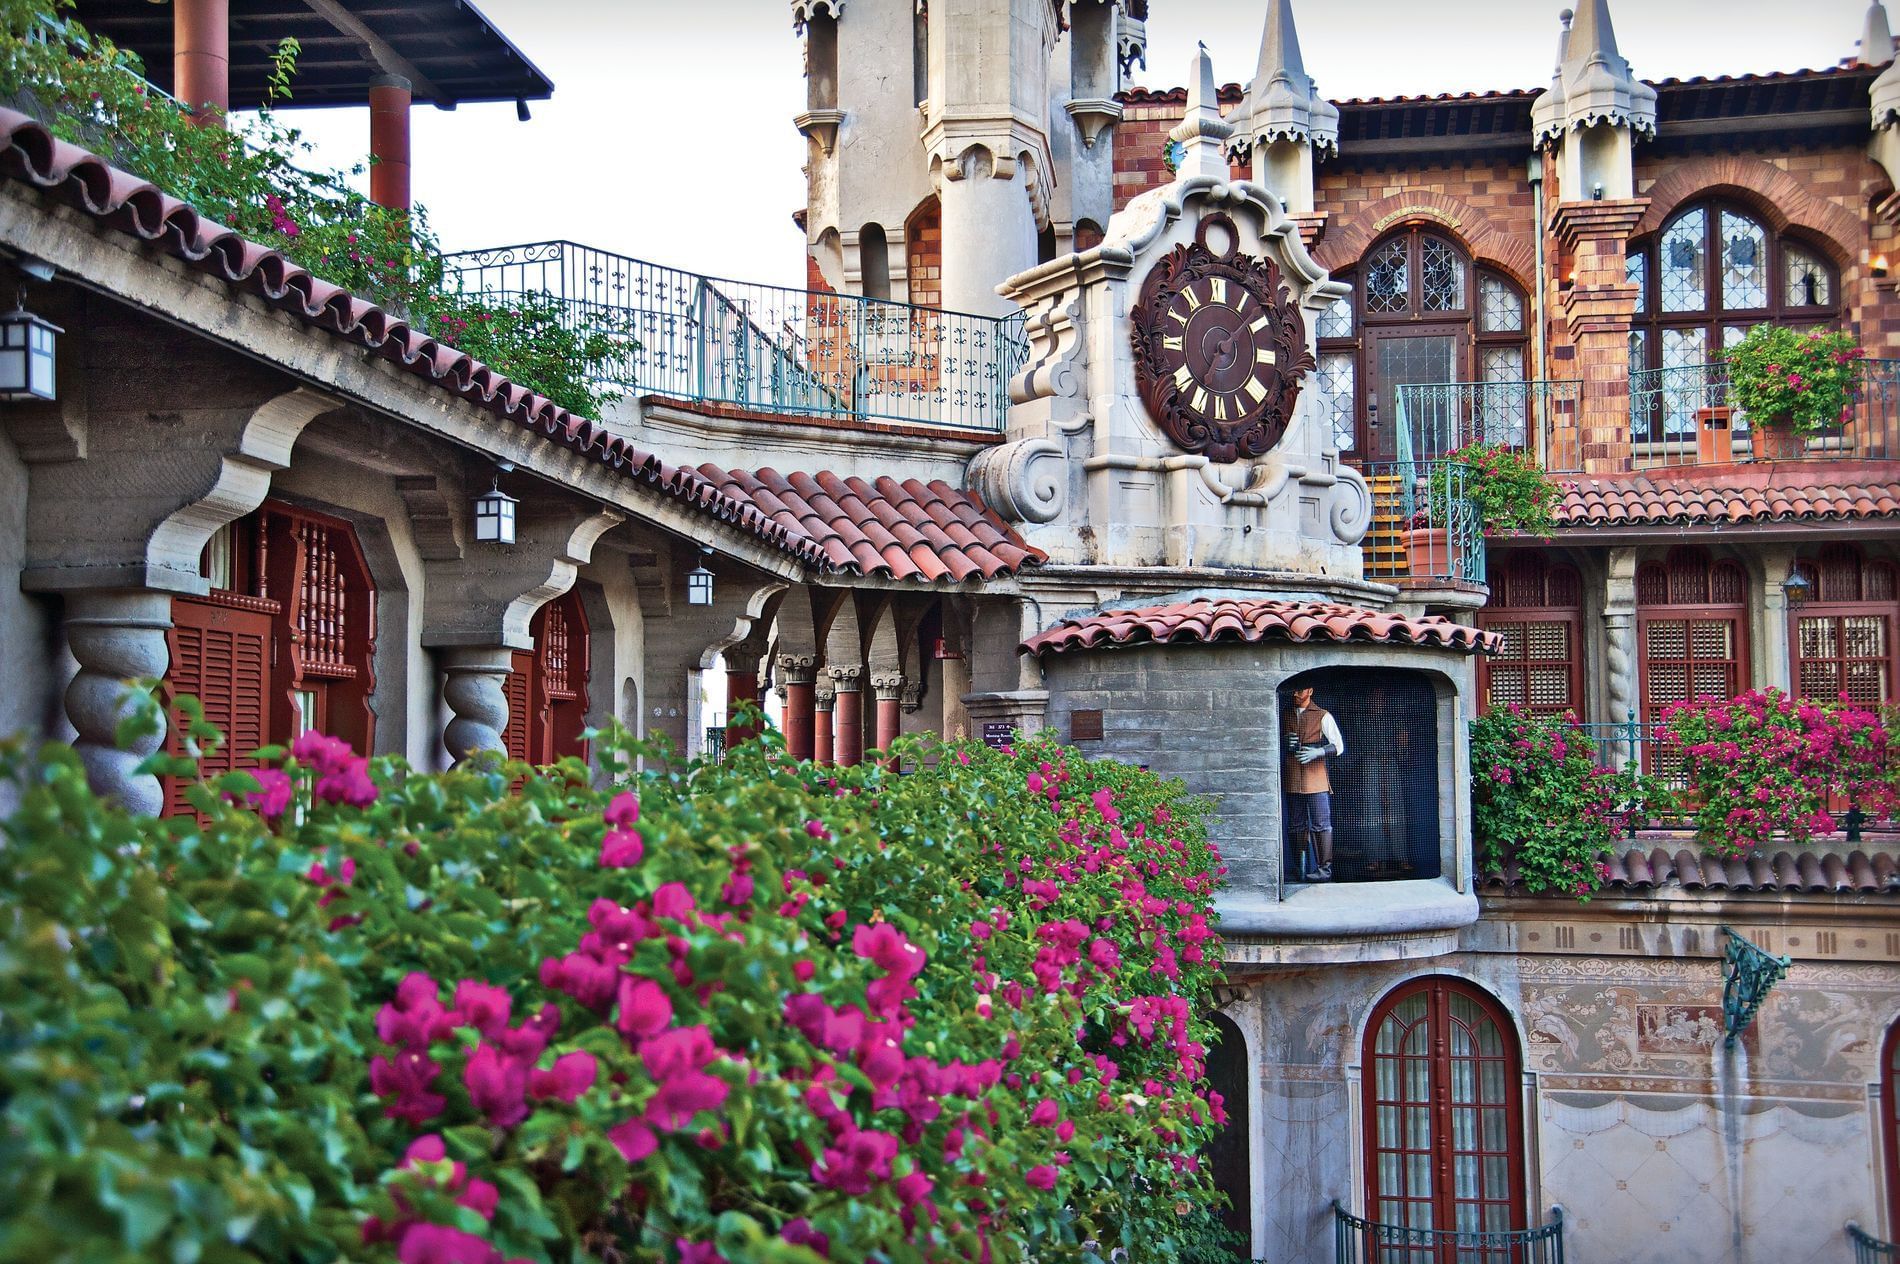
x=699, y=582
x=1797, y=588
x=495, y=515
x=1879, y=268
x=1596, y=191
x=28, y=346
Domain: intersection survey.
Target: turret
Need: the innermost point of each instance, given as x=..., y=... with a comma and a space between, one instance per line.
x=1593, y=110
x=1876, y=38
x=1284, y=122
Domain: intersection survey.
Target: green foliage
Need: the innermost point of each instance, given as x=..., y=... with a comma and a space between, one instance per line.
x=191, y=1010
x=1540, y=800
x=1805, y=380
x=248, y=177
x=1507, y=488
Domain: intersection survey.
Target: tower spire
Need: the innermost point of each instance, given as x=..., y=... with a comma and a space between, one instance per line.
x=1201, y=129
x=1593, y=83
x=1286, y=123
x=1876, y=37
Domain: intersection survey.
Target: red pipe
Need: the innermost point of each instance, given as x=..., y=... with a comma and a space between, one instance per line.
x=389, y=100
x=201, y=57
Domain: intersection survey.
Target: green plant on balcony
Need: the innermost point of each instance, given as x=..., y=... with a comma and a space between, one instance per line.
x=1786, y=377
x=1506, y=489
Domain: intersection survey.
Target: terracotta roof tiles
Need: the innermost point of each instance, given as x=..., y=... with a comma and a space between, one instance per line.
x=1769, y=493
x=903, y=529
x=1209, y=620
x=1821, y=872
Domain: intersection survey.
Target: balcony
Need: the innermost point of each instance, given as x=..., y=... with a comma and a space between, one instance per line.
x=1869, y=1249
x=1358, y=1241
x=1683, y=417
x=1425, y=532
x=763, y=347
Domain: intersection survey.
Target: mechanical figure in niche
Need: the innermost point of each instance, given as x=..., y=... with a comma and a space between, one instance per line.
x=1366, y=776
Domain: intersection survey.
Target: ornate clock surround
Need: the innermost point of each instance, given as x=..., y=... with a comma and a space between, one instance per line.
x=1220, y=347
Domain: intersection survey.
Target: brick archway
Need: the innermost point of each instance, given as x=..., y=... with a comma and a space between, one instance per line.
x=1778, y=197
x=1513, y=253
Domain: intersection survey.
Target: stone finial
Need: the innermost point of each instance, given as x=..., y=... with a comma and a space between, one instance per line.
x=1876, y=37
x=1283, y=102
x=1202, y=130
x=1593, y=83
x=803, y=11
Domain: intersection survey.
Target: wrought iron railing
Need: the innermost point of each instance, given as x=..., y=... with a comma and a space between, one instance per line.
x=1424, y=525
x=1360, y=1241
x=766, y=347
x=1868, y=1249
x=1684, y=416
x=1539, y=417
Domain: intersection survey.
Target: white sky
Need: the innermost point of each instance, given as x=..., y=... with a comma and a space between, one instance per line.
x=669, y=136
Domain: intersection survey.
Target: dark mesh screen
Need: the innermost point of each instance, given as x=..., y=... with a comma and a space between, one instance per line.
x=1385, y=787
x=1228, y=1069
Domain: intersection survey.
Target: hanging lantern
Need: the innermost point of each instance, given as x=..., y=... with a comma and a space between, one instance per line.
x=699, y=583
x=1797, y=587
x=495, y=515
x=27, y=348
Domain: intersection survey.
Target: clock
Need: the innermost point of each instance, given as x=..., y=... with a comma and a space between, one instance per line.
x=1220, y=348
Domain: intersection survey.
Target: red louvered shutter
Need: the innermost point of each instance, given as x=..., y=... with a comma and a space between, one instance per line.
x=514, y=738
x=220, y=654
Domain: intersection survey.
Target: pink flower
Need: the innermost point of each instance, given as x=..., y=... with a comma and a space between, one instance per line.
x=674, y=902
x=483, y=1007
x=800, y=1233
x=497, y=1086
x=571, y=1075
x=623, y=812
x=645, y=1009
x=633, y=1139
x=674, y=1059
x=1043, y=1178
x=439, y=1244
x=885, y=947
x=621, y=849
x=408, y=1077
x=272, y=797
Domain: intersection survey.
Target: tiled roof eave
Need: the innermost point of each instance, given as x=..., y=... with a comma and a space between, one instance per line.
x=1208, y=621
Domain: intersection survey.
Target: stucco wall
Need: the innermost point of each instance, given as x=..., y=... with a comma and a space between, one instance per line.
x=28, y=678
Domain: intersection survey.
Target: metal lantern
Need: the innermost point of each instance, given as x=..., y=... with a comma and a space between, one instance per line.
x=27, y=345
x=699, y=584
x=495, y=516
x=1797, y=588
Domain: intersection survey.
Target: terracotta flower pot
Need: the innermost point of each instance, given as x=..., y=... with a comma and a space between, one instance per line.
x=1774, y=440
x=1427, y=551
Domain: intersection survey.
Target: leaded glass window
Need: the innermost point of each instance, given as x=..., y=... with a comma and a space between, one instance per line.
x=1806, y=279
x=1337, y=374
x=1335, y=321
x=1744, y=263
x=1503, y=308
x=1685, y=281
x=1636, y=272
x=1388, y=279
x=1441, y=277
x=1505, y=403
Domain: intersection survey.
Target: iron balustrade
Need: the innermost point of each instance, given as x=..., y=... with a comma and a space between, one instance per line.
x=1425, y=525
x=1538, y=417
x=1683, y=415
x=1360, y=1241
x=764, y=347
x=1868, y=1249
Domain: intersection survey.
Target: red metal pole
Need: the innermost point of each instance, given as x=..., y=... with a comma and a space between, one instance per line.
x=389, y=99
x=201, y=57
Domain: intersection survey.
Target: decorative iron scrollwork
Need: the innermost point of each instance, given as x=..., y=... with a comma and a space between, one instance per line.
x=1748, y=974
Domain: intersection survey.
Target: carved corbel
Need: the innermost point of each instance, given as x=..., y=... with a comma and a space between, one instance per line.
x=1024, y=481
x=435, y=520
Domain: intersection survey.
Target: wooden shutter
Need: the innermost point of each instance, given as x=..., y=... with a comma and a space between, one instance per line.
x=518, y=688
x=220, y=654
x=1537, y=610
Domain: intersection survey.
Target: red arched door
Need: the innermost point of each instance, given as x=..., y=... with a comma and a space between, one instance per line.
x=1444, y=1114
x=547, y=690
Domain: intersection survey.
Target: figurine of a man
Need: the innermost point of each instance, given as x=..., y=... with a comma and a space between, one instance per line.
x=1311, y=736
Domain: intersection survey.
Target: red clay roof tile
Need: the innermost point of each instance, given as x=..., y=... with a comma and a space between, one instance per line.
x=1229, y=619
x=1826, y=872
x=1794, y=491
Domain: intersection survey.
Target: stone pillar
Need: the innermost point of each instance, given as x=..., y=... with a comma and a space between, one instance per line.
x=1774, y=657
x=1005, y=687
x=1599, y=307
x=989, y=231
x=116, y=637
x=848, y=721
x=742, y=686
x=824, y=699
x=475, y=688
x=1621, y=670
x=201, y=57
x=389, y=101
x=888, y=687
x=798, y=672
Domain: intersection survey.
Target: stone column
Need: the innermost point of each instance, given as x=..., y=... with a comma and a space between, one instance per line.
x=742, y=686
x=389, y=101
x=116, y=637
x=798, y=672
x=1774, y=658
x=824, y=699
x=848, y=721
x=989, y=231
x=1599, y=308
x=475, y=689
x=201, y=57
x=1621, y=670
x=888, y=687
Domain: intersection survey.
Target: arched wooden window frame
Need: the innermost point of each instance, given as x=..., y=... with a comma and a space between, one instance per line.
x=1846, y=590
x=1442, y=1202
x=1532, y=595
x=547, y=687
x=1687, y=603
x=1485, y=341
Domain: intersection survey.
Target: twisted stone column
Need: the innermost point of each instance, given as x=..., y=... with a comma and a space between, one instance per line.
x=847, y=736
x=798, y=674
x=1619, y=662
x=116, y=637
x=475, y=689
x=823, y=700
x=888, y=687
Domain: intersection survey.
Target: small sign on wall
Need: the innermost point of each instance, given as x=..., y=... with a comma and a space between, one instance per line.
x=1085, y=726
x=997, y=733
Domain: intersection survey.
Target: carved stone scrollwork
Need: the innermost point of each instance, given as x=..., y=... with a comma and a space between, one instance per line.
x=1352, y=506
x=1054, y=370
x=1025, y=481
x=846, y=679
x=887, y=685
x=911, y=696
x=476, y=694
x=797, y=669
x=117, y=637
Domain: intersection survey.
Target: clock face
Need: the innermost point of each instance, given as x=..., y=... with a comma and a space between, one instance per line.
x=1220, y=348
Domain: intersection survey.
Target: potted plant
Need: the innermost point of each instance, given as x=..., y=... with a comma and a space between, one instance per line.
x=1791, y=384
x=1480, y=488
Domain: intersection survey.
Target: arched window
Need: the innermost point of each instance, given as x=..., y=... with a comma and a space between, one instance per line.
x=547, y=690
x=1692, y=627
x=1537, y=608
x=1443, y=1110
x=1714, y=272
x=874, y=261
x=1842, y=637
x=1421, y=312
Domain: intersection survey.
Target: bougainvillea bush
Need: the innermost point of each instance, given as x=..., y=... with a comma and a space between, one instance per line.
x=739, y=1011
x=1540, y=799
x=1764, y=764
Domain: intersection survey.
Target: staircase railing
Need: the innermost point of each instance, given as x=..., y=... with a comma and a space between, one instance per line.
x=764, y=347
x=1868, y=1249
x=1540, y=417
x=1424, y=524
x=1360, y=1241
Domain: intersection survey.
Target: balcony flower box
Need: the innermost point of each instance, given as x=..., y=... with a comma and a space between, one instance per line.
x=1774, y=440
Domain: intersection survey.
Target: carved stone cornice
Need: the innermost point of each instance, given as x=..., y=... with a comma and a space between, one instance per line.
x=797, y=669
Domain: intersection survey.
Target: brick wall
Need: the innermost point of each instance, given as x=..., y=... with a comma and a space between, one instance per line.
x=1141, y=139
x=923, y=248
